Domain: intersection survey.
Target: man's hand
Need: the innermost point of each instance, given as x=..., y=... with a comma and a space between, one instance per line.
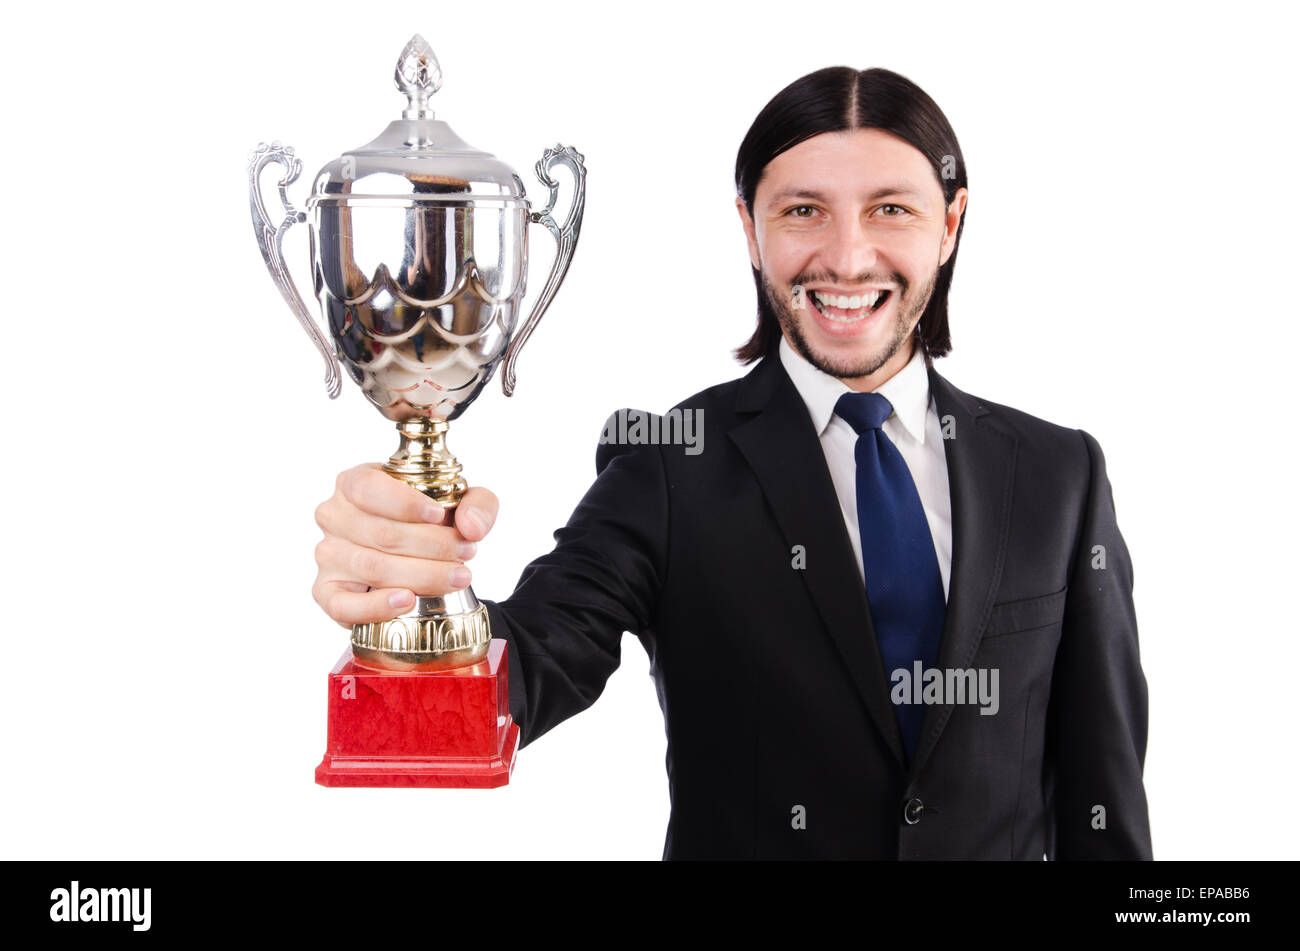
x=385, y=542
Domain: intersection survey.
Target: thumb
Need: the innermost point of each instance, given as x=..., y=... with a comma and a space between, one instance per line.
x=476, y=513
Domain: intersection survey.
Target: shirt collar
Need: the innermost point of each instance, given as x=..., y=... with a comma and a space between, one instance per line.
x=908, y=390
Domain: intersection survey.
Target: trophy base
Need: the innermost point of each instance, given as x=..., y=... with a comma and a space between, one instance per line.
x=444, y=728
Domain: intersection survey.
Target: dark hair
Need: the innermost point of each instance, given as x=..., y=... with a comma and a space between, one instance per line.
x=836, y=99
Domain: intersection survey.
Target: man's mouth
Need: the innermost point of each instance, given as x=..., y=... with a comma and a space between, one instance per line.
x=847, y=310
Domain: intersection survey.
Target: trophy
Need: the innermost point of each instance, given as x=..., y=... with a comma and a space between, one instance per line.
x=419, y=259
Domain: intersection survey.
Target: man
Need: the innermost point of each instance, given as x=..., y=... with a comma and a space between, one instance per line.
x=886, y=619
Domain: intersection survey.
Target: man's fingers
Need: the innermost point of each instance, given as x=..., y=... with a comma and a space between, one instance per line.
x=373, y=490
x=476, y=513
x=341, y=560
x=347, y=606
x=386, y=543
x=438, y=542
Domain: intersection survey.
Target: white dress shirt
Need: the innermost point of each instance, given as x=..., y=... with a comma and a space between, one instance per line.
x=913, y=428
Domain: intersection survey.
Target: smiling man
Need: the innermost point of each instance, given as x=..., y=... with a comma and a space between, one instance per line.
x=858, y=222
x=886, y=619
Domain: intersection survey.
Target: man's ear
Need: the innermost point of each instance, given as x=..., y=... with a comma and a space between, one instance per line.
x=750, y=236
x=952, y=221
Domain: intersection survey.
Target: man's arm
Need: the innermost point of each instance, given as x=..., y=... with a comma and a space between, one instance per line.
x=1097, y=716
x=565, y=621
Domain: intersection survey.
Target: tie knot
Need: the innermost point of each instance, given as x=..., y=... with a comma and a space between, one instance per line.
x=863, y=411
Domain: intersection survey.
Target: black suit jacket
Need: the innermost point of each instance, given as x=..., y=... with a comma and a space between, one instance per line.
x=774, y=696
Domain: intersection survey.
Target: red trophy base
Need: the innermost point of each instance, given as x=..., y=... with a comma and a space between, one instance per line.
x=448, y=728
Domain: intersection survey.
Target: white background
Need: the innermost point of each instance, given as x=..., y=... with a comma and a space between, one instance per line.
x=1126, y=268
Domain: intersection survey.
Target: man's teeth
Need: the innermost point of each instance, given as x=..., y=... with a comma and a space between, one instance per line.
x=847, y=303
x=853, y=308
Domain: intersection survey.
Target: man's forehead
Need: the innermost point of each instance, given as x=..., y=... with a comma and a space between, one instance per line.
x=858, y=164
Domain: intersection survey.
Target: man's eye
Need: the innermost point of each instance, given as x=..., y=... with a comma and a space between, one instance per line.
x=796, y=211
x=896, y=212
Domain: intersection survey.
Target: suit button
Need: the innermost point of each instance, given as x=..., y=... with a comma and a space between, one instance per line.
x=912, y=811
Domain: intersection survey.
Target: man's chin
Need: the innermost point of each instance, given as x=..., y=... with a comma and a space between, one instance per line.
x=850, y=358
x=849, y=367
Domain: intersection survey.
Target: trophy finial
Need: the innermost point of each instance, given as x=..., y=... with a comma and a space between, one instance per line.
x=419, y=76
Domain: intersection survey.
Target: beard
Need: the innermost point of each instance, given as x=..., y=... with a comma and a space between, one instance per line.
x=907, y=312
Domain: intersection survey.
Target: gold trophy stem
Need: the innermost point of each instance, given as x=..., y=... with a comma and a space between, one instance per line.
x=439, y=633
x=424, y=462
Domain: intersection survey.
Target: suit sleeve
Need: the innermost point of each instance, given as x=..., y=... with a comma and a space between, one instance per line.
x=1097, y=716
x=564, y=623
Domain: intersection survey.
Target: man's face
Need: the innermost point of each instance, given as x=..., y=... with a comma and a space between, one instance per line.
x=855, y=214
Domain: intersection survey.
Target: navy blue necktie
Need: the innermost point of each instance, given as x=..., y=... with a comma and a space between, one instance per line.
x=904, y=589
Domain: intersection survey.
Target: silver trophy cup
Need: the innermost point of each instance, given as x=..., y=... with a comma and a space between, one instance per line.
x=419, y=259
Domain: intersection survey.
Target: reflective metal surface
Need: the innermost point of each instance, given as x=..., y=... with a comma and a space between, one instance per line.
x=439, y=634
x=419, y=260
x=421, y=300
x=270, y=241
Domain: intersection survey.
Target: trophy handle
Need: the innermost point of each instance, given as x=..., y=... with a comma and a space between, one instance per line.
x=270, y=238
x=566, y=239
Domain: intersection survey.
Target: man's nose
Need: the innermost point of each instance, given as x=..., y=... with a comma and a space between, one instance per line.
x=851, y=249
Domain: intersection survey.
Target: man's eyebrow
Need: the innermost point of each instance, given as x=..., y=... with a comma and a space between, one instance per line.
x=888, y=191
x=797, y=193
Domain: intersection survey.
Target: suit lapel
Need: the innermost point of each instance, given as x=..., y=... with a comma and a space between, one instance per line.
x=981, y=460
x=782, y=447
x=778, y=441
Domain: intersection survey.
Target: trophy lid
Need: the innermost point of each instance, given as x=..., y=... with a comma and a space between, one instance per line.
x=417, y=159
